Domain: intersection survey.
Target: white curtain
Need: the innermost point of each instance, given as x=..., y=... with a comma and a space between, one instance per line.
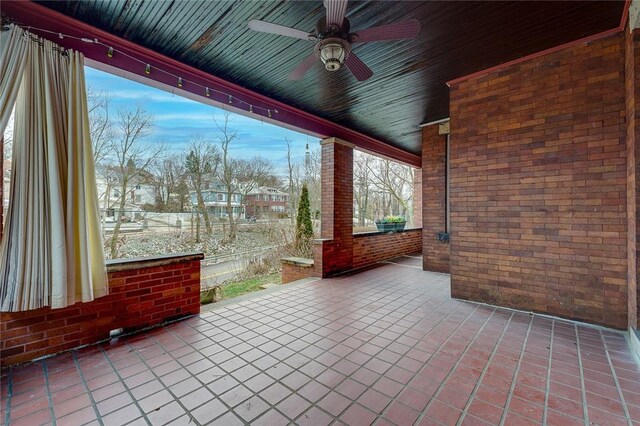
x=85, y=256
x=13, y=55
x=51, y=251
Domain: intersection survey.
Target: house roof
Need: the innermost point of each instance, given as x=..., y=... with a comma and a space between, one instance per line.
x=409, y=82
x=265, y=190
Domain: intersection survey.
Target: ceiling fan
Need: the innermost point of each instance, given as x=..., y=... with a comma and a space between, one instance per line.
x=334, y=39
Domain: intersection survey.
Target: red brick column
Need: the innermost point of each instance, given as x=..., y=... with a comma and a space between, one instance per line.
x=417, y=198
x=435, y=254
x=335, y=253
x=632, y=97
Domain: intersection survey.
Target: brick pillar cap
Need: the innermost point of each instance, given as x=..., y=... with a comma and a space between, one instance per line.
x=338, y=141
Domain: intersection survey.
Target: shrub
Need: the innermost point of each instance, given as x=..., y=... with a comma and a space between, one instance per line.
x=304, y=227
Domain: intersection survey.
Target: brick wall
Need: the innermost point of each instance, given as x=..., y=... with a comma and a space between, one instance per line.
x=435, y=254
x=374, y=247
x=294, y=269
x=143, y=292
x=539, y=185
x=632, y=56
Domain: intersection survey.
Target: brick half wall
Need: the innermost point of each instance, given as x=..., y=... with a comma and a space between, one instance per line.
x=539, y=185
x=142, y=293
x=296, y=268
x=373, y=247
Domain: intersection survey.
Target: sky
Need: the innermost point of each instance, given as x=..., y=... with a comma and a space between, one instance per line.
x=178, y=119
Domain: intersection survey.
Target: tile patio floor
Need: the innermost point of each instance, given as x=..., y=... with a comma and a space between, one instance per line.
x=387, y=346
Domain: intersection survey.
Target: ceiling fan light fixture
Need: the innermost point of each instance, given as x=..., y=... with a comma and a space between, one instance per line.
x=332, y=53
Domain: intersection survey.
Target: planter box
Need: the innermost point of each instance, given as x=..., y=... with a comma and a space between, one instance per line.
x=391, y=227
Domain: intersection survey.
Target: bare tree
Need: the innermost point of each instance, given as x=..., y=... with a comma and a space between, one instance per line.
x=312, y=175
x=132, y=158
x=167, y=172
x=227, y=175
x=238, y=177
x=201, y=164
x=100, y=125
x=290, y=170
x=250, y=174
x=362, y=184
x=394, y=184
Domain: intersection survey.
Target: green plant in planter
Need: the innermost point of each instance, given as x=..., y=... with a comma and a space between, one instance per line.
x=393, y=219
x=391, y=223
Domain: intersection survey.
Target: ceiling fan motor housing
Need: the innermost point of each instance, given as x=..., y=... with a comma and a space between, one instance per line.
x=324, y=31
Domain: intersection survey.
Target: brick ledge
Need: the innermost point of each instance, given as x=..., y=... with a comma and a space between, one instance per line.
x=372, y=233
x=298, y=261
x=117, y=265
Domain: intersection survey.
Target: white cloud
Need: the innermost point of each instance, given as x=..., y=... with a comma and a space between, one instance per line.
x=146, y=95
x=183, y=116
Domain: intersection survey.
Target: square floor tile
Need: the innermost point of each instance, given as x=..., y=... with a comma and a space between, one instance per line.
x=197, y=398
x=236, y=395
x=400, y=414
x=209, y=411
x=314, y=417
x=313, y=391
x=293, y=406
x=251, y=408
x=275, y=393
x=357, y=415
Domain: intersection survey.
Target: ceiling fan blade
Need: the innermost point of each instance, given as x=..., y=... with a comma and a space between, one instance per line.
x=303, y=67
x=357, y=67
x=396, y=31
x=335, y=12
x=267, y=27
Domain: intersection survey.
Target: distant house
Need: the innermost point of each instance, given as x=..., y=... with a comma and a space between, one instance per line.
x=215, y=200
x=139, y=192
x=266, y=202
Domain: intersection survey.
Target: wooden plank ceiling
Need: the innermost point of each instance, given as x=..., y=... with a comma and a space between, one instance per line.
x=408, y=86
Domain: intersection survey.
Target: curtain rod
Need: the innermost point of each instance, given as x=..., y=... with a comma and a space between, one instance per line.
x=147, y=67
